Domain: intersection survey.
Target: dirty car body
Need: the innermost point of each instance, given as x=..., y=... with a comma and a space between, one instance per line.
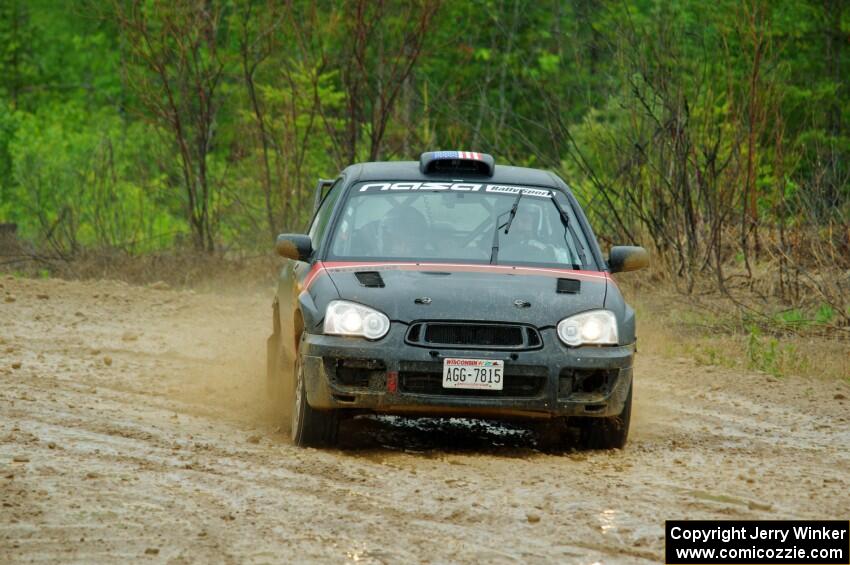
x=452, y=286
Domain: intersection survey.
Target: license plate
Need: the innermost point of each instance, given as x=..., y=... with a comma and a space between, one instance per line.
x=481, y=374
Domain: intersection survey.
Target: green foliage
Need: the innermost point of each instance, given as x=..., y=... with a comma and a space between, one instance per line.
x=770, y=355
x=793, y=317
x=86, y=179
x=763, y=353
x=645, y=107
x=799, y=318
x=825, y=314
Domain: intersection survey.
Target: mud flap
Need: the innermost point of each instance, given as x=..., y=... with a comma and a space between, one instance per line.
x=316, y=383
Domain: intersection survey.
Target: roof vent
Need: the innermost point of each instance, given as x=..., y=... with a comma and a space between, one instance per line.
x=454, y=162
x=370, y=279
x=569, y=286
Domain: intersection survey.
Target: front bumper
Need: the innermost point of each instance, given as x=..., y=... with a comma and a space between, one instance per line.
x=390, y=376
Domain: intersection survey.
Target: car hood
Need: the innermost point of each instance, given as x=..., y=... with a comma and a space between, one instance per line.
x=493, y=293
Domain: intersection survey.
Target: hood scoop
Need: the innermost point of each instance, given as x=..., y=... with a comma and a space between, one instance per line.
x=370, y=279
x=569, y=286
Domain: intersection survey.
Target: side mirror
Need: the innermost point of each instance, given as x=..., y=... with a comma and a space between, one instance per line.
x=624, y=258
x=294, y=246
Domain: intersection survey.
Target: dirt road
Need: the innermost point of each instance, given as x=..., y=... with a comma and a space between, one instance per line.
x=133, y=425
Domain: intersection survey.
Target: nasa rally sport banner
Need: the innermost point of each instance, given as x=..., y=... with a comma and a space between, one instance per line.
x=812, y=542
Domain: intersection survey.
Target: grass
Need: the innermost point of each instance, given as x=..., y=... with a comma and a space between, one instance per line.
x=699, y=328
x=796, y=318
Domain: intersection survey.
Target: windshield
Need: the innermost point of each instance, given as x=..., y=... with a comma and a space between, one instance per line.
x=412, y=221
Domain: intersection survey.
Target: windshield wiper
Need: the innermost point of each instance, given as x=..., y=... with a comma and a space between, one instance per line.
x=494, y=254
x=565, y=219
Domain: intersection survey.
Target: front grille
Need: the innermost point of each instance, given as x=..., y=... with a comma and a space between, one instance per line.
x=508, y=336
x=520, y=381
x=473, y=335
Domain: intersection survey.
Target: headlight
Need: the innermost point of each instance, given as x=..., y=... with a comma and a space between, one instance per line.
x=597, y=327
x=349, y=318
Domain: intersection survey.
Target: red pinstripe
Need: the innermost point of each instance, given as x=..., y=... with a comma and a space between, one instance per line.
x=320, y=268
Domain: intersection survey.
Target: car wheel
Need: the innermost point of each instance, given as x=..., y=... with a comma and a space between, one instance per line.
x=310, y=428
x=279, y=385
x=608, y=433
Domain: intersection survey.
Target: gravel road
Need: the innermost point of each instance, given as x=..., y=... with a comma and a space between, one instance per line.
x=134, y=426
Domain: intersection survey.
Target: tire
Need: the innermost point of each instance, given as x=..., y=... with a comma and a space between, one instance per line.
x=608, y=433
x=310, y=428
x=279, y=385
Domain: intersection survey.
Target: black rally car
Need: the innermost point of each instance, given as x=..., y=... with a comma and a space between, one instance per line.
x=452, y=287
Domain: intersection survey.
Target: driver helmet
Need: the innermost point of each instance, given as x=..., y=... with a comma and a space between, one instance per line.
x=402, y=231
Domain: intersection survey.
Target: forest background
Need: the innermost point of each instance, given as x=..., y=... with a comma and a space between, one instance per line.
x=716, y=134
